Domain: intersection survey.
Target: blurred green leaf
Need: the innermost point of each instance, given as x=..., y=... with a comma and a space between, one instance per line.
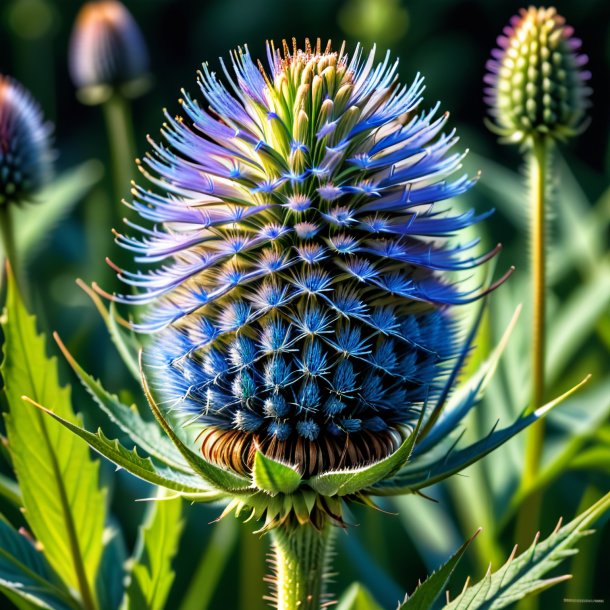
x=356, y=597
x=522, y=575
x=152, y=574
x=10, y=491
x=59, y=482
x=211, y=565
x=35, y=222
x=428, y=592
x=25, y=573
x=111, y=575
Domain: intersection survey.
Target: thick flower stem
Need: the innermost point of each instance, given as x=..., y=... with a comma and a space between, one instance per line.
x=527, y=522
x=300, y=558
x=122, y=150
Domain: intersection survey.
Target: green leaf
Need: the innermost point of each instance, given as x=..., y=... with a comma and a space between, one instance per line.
x=111, y=574
x=148, y=469
x=523, y=575
x=146, y=435
x=214, y=475
x=426, y=470
x=152, y=575
x=356, y=597
x=34, y=222
x=211, y=565
x=427, y=593
x=274, y=477
x=59, y=482
x=25, y=573
x=125, y=342
x=344, y=482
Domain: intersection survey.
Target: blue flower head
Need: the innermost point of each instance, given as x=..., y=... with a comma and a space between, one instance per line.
x=295, y=259
x=25, y=150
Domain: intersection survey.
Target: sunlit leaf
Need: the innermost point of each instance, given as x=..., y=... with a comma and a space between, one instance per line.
x=59, y=482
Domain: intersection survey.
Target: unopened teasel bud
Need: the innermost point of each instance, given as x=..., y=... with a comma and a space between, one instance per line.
x=537, y=83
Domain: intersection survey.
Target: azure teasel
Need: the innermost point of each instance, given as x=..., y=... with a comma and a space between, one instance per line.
x=26, y=157
x=303, y=343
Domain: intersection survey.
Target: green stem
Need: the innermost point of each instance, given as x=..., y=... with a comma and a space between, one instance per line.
x=10, y=248
x=529, y=513
x=300, y=558
x=122, y=149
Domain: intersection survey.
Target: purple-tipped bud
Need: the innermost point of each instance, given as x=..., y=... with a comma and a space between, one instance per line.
x=536, y=78
x=25, y=153
x=107, y=49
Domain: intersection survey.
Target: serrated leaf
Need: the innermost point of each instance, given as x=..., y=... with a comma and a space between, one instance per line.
x=344, y=482
x=426, y=470
x=125, y=342
x=152, y=575
x=148, y=469
x=147, y=436
x=274, y=477
x=25, y=573
x=523, y=575
x=427, y=593
x=356, y=597
x=214, y=475
x=64, y=505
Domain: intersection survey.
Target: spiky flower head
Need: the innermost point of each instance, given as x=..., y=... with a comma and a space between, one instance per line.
x=25, y=152
x=301, y=291
x=537, y=81
x=107, y=51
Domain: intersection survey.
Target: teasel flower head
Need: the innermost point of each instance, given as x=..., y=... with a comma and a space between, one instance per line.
x=537, y=80
x=297, y=261
x=25, y=144
x=107, y=52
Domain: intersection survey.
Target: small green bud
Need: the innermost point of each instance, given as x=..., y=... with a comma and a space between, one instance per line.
x=537, y=84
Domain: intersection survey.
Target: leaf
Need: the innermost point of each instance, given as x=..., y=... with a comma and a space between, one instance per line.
x=356, y=597
x=523, y=575
x=425, y=470
x=111, y=574
x=35, y=222
x=25, y=573
x=428, y=592
x=274, y=477
x=214, y=475
x=467, y=395
x=126, y=344
x=211, y=565
x=146, y=435
x=147, y=469
x=344, y=482
x=59, y=482
x=152, y=575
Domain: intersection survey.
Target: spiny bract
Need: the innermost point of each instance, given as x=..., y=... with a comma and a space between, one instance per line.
x=300, y=300
x=25, y=153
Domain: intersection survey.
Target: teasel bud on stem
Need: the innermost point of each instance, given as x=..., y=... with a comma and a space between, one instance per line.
x=109, y=66
x=538, y=94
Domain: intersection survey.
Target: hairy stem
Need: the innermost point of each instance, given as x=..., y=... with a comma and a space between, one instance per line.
x=300, y=556
x=529, y=514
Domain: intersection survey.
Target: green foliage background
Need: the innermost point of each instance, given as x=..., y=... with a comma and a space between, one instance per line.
x=449, y=42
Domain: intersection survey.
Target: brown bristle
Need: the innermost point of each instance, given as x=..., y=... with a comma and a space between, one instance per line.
x=235, y=450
